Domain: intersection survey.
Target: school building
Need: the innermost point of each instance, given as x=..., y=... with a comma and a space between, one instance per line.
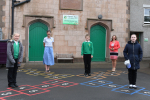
x=34, y=18
x=140, y=24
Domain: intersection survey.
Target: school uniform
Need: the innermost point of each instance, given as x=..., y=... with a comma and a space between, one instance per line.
x=48, y=57
x=87, y=51
x=134, y=53
x=114, y=53
x=14, y=55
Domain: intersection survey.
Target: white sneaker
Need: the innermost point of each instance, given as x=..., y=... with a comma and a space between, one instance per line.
x=134, y=86
x=130, y=86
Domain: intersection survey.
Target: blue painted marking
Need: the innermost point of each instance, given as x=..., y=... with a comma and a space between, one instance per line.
x=146, y=91
x=116, y=88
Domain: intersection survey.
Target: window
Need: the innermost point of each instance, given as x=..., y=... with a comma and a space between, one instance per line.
x=147, y=16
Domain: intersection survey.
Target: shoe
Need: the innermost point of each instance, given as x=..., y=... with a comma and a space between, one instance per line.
x=48, y=71
x=85, y=74
x=134, y=87
x=12, y=86
x=130, y=86
x=89, y=74
x=113, y=69
x=15, y=85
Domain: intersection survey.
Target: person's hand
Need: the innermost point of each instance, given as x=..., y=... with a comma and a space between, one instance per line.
x=91, y=56
x=18, y=62
x=82, y=56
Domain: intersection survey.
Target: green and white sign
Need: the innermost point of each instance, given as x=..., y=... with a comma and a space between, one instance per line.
x=146, y=39
x=70, y=19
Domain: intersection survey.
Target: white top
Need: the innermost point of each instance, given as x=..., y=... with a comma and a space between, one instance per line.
x=16, y=42
x=48, y=41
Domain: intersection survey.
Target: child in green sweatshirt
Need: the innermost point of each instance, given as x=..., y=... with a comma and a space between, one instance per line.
x=87, y=53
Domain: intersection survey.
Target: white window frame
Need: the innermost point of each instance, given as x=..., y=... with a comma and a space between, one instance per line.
x=146, y=7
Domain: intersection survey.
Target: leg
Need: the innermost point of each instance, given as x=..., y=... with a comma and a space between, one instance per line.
x=89, y=63
x=130, y=76
x=134, y=77
x=85, y=63
x=48, y=66
x=113, y=63
x=45, y=67
x=15, y=71
x=10, y=76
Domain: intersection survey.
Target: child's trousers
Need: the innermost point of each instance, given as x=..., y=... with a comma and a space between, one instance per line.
x=12, y=74
x=132, y=75
x=87, y=63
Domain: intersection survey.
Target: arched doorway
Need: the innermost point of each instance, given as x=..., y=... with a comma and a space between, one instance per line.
x=98, y=37
x=37, y=32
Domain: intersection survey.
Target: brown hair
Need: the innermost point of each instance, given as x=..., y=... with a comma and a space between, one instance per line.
x=133, y=34
x=87, y=35
x=115, y=37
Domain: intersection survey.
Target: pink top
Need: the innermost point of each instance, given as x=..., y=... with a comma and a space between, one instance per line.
x=115, y=45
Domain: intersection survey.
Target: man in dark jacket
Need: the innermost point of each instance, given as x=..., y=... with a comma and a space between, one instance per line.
x=134, y=53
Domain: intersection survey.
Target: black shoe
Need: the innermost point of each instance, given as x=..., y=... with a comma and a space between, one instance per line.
x=12, y=86
x=85, y=74
x=89, y=74
x=15, y=85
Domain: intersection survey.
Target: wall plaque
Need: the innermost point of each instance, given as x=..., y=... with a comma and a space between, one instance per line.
x=71, y=5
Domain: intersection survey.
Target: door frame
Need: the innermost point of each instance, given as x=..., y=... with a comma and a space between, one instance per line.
x=107, y=24
x=28, y=39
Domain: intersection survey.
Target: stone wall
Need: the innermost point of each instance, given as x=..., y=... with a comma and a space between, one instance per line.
x=2, y=13
x=69, y=38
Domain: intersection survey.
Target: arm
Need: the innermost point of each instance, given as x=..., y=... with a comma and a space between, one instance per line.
x=43, y=44
x=117, y=47
x=141, y=54
x=125, y=52
x=9, y=53
x=82, y=49
x=92, y=50
x=110, y=46
x=21, y=53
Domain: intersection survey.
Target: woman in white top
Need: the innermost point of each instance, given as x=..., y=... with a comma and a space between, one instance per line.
x=48, y=57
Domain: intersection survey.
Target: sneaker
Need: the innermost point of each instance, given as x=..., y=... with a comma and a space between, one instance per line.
x=85, y=74
x=134, y=87
x=89, y=74
x=130, y=86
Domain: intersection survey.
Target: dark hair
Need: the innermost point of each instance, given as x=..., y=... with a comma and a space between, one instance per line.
x=115, y=37
x=133, y=34
x=87, y=35
x=49, y=31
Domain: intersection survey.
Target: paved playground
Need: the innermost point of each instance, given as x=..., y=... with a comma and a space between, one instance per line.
x=68, y=83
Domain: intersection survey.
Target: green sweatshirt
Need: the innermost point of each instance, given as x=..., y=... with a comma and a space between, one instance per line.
x=87, y=48
x=16, y=50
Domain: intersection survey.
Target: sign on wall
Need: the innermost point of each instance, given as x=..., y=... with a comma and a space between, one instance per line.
x=146, y=39
x=70, y=19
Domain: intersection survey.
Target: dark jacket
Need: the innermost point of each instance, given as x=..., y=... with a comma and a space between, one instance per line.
x=134, y=53
x=10, y=54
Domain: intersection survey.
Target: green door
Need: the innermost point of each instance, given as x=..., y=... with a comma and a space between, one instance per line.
x=98, y=37
x=37, y=32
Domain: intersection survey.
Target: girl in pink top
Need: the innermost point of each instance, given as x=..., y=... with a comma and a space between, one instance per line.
x=114, y=46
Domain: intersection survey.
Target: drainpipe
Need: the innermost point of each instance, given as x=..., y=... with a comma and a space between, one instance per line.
x=13, y=6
